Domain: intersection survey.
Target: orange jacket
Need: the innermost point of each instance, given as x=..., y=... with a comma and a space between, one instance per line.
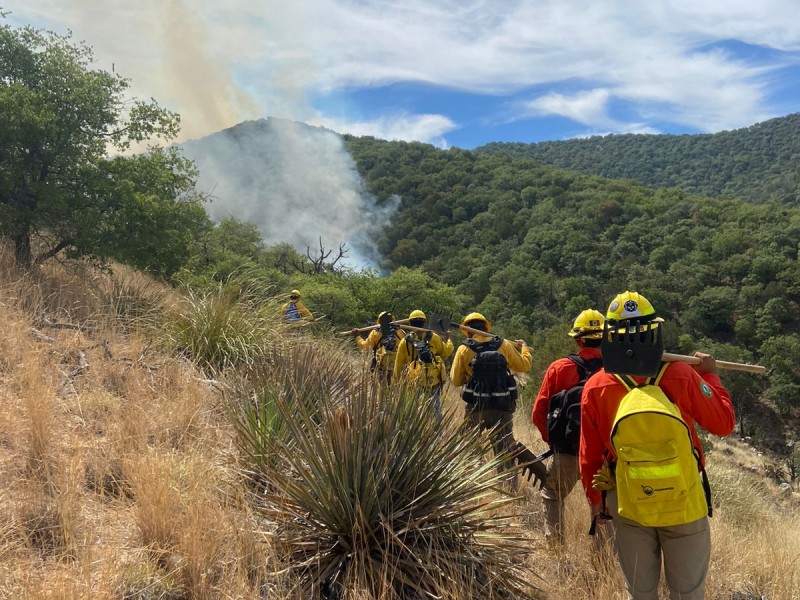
x=562, y=374
x=701, y=399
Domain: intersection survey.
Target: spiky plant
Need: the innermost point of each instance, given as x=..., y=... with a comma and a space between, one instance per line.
x=368, y=492
x=230, y=326
x=129, y=299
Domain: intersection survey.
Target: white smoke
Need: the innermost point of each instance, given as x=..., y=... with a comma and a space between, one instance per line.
x=297, y=184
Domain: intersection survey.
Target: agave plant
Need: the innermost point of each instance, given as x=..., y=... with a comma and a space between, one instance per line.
x=366, y=491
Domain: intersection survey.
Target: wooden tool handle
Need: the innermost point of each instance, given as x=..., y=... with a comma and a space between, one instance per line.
x=470, y=329
x=722, y=364
x=370, y=328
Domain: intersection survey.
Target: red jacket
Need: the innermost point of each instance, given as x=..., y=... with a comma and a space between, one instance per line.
x=701, y=399
x=562, y=374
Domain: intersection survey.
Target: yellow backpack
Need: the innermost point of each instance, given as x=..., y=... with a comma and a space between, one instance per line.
x=658, y=469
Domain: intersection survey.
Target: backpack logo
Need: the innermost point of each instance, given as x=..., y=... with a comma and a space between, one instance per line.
x=492, y=385
x=564, y=409
x=657, y=467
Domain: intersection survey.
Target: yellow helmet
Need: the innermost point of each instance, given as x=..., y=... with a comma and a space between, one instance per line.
x=386, y=312
x=476, y=316
x=417, y=314
x=588, y=324
x=630, y=305
x=295, y=293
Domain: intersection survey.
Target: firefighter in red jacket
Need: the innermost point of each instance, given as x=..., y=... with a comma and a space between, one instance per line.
x=563, y=374
x=697, y=392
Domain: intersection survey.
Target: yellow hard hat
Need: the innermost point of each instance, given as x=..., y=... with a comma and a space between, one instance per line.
x=386, y=312
x=417, y=314
x=295, y=293
x=632, y=305
x=588, y=324
x=476, y=316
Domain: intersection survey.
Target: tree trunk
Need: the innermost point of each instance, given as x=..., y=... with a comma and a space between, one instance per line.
x=22, y=250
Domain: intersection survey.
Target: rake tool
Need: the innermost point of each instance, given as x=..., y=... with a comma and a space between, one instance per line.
x=636, y=347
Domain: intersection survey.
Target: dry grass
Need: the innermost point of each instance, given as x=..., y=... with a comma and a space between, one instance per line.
x=118, y=474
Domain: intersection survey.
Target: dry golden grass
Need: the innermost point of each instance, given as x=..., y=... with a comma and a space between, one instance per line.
x=118, y=476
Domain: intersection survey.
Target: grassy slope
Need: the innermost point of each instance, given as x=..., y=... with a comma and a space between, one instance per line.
x=118, y=477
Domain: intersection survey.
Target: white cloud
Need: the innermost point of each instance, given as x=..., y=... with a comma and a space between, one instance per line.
x=220, y=63
x=587, y=107
x=405, y=127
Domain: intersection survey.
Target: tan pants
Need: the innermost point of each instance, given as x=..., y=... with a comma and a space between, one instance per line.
x=562, y=475
x=685, y=550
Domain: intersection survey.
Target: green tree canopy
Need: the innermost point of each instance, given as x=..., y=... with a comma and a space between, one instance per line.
x=59, y=188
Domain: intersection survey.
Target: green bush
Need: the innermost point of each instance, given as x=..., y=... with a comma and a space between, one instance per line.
x=366, y=491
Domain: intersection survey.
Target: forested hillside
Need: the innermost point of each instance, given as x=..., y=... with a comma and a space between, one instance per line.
x=759, y=163
x=532, y=245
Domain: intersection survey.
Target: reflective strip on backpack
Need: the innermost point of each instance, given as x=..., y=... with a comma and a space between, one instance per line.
x=655, y=471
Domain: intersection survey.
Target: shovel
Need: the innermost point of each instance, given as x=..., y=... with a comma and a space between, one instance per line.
x=633, y=347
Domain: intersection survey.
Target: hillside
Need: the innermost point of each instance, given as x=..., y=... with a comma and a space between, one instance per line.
x=532, y=245
x=122, y=479
x=759, y=163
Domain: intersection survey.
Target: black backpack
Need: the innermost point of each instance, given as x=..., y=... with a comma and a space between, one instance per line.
x=492, y=384
x=564, y=411
x=388, y=342
x=421, y=347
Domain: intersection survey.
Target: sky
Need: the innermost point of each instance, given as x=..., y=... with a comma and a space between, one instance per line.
x=452, y=73
x=447, y=72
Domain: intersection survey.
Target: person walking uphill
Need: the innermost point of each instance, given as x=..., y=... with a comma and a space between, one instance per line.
x=483, y=365
x=294, y=312
x=556, y=414
x=383, y=342
x=420, y=360
x=639, y=444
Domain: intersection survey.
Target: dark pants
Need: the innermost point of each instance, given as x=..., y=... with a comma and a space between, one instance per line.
x=503, y=440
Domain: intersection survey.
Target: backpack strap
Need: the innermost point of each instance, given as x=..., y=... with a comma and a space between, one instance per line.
x=630, y=383
x=487, y=346
x=410, y=345
x=580, y=364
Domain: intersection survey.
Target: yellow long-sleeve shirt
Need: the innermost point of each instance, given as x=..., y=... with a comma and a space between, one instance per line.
x=461, y=370
x=405, y=352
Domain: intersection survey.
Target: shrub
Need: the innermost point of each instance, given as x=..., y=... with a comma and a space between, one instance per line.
x=367, y=492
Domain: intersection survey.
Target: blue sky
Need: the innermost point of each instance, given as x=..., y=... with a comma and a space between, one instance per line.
x=452, y=73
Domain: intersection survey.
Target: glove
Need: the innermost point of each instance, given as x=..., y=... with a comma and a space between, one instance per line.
x=603, y=479
x=532, y=466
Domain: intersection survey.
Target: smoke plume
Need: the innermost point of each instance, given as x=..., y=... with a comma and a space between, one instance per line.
x=296, y=183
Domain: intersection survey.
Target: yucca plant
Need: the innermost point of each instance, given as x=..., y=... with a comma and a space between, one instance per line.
x=230, y=326
x=129, y=299
x=366, y=491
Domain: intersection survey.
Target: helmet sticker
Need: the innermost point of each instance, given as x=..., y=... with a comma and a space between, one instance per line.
x=631, y=306
x=614, y=306
x=706, y=390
